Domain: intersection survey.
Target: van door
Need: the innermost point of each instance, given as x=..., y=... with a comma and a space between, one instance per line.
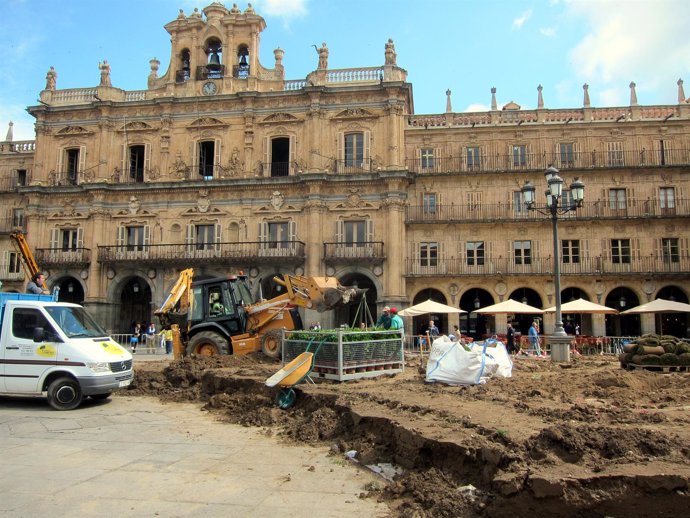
x=26, y=360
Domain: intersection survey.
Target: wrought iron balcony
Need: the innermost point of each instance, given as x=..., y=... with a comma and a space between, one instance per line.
x=7, y=273
x=275, y=169
x=599, y=209
x=540, y=161
x=204, y=253
x=73, y=258
x=215, y=72
x=599, y=266
x=11, y=223
x=352, y=165
x=359, y=252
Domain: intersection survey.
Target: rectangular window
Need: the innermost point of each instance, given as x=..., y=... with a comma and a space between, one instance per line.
x=620, y=251
x=519, y=208
x=617, y=199
x=663, y=152
x=14, y=264
x=428, y=254
x=204, y=236
x=427, y=158
x=519, y=156
x=567, y=154
x=429, y=203
x=667, y=197
x=135, y=239
x=355, y=233
x=22, y=178
x=670, y=250
x=18, y=218
x=570, y=251
x=475, y=253
x=72, y=166
x=137, y=155
x=278, y=234
x=207, y=151
x=354, y=150
x=614, y=154
x=68, y=239
x=473, y=158
x=522, y=252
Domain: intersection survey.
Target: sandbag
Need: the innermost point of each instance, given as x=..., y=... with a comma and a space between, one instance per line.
x=653, y=350
x=450, y=363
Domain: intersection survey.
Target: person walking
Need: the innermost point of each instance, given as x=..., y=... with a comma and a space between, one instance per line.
x=534, y=340
x=136, y=336
x=167, y=335
x=510, y=339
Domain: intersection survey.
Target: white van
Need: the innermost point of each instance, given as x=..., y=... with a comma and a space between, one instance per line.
x=57, y=350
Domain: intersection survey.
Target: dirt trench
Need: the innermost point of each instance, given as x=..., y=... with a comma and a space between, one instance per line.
x=572, y=458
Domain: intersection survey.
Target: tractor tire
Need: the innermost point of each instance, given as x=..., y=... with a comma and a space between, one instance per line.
x=64, y=394
x=271, y=343
x=208, y=343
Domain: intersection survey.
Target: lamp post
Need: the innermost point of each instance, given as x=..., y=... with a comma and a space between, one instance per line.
x=555, y=206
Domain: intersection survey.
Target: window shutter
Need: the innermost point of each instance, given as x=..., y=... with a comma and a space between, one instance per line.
x=605, y=248
x=121, y=236
x=217, y=159
x=80, y=237
x=683, y=247
x=293, y=152
x=488, y=251
x=147, y=159
x=635, y=249
x=367, y=150
x=54, y=238
x=339, y=231
x=263, y=231
x=147, y=235
x=6, y=262
x=195, y=159
x=370, y=230
x=82, y=158
x=125, y=166
x=584, y=248
x=267, y=156
x=190, y=238
x=218, y=236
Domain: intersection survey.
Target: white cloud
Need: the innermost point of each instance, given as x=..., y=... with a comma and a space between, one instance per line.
x=549, y=32
x=287, y=10
x=520, y=20
x=477, y=107
x=610, y=97
x=647, y=42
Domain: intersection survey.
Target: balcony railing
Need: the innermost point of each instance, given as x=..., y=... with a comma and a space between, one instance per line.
x=204, y=72
x=599, y=209
x=540, y=161
x=204, y=253
x=370, y=252
x=275, y=169
x=11, y=223
x=75, y=258
x=7, y=275
x=352, y=165
x=599, y=265
x=11, y=183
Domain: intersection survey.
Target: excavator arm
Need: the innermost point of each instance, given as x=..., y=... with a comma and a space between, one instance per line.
x=179, y=299
x=23, y=249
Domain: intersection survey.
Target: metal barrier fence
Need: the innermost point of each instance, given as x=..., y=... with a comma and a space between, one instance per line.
x=146, y=345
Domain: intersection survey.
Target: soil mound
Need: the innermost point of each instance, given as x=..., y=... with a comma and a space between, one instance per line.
x=583, y=439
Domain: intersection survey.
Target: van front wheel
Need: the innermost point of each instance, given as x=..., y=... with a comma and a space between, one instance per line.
x=64, y=394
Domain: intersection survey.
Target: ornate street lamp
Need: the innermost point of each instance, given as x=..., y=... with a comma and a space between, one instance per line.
x=555, y=206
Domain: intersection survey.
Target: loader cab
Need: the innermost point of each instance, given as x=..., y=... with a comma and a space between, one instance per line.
x=220, y=302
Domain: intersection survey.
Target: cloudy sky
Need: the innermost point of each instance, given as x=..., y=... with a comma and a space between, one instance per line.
x=467, y=46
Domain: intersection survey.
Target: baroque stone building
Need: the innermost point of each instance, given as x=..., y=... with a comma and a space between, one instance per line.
x=222, y=165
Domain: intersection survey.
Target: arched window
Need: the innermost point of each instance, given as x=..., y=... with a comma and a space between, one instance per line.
x=214, y=63
x=241, y=70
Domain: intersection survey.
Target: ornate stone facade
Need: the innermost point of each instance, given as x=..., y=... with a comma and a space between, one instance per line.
x=223, y=165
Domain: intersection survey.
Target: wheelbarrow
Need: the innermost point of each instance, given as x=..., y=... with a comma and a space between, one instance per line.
x=293, y=373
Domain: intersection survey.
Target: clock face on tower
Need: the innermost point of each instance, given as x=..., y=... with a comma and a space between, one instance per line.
x=209, y=88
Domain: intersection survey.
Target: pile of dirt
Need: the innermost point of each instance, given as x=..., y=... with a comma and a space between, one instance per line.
x=585, y=438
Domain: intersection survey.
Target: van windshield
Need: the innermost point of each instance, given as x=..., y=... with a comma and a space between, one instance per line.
x=75, y=322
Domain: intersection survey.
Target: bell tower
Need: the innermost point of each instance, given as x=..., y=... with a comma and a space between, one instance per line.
x=216, y=51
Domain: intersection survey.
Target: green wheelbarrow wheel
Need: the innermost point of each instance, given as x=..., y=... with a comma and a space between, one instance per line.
x=286, y=398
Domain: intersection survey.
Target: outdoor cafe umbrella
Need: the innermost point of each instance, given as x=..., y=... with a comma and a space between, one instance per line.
x=510, y=306
x=427, y=307
x=582, y=306
x=659, y=306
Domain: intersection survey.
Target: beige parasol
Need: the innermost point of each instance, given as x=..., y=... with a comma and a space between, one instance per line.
x=427, y=307
x=510, y=306
x=659, y=306
x=582, y=306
